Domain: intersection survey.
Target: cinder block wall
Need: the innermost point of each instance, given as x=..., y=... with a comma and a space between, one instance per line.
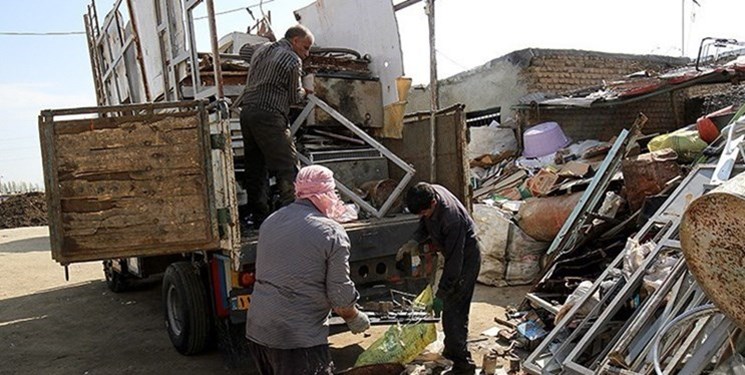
x=502, y=82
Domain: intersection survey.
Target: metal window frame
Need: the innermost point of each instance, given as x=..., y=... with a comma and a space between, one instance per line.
x=313, y=102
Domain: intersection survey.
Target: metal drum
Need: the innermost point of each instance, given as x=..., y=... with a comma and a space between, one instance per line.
x=712, y=236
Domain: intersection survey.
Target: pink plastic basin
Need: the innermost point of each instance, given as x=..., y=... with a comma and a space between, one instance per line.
x=543, y=139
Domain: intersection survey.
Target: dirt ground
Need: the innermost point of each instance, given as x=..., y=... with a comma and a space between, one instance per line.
x=52, y=326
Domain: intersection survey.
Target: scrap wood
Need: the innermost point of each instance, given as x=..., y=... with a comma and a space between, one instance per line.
x=542, y=183
x=488, y=160
x=505, y=323
x=506, y=182
x=574, y=169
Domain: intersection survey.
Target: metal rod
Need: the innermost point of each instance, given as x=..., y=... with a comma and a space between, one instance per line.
x=340, y=137
x=217, y=67
x=434, y=97
x=404, y=4
x=138, y=49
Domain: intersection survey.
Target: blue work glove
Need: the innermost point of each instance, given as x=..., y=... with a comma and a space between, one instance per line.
x=437, y=307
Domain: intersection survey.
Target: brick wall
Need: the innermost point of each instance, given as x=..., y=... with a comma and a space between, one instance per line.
x=665, y=113
x=559, y=71
x=503, y=81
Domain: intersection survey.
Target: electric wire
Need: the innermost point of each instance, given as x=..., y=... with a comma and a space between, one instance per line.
x=49, y=33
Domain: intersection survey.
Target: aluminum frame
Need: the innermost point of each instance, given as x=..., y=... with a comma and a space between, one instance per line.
x=313, y=102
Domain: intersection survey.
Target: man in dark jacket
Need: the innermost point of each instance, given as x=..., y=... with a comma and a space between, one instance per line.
x=446, y=224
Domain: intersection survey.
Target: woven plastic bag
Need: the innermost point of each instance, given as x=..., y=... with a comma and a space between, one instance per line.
x=402, y=343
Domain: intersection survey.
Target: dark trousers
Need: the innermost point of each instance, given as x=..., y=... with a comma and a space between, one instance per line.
x=269, y=149
x=455, y=310
x=304, y=361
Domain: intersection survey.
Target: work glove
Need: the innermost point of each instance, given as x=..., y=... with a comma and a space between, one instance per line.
x=411, y=247
x=360, y=323
x=437, y=307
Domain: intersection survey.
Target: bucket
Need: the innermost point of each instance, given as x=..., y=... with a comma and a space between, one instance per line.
x=543, y=139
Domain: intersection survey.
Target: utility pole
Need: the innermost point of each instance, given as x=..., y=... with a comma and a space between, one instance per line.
x=682, y=28
x=434, y=98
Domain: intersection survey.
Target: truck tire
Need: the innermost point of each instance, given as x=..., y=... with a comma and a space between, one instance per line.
x=187, y=314
x=116, y=281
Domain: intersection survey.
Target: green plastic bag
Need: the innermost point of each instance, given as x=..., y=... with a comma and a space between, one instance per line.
x=685, y=142
x=401, y=344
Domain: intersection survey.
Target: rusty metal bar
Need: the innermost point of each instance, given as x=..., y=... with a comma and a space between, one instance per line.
x=215, y=52
x=138, y=50
x=404, y=4
x=434, y=97
x=100, y=97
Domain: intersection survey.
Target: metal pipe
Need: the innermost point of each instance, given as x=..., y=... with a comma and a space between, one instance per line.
x=434, y=97
x=215, y=52
x=404, y=4
x=692, y=314
x=138, y=49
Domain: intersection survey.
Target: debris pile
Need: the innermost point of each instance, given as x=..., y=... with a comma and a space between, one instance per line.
x=614, y=277
x=23, y=210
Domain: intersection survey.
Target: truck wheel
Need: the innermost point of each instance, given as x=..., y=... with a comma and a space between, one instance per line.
x=187, y=315
x=116, y=281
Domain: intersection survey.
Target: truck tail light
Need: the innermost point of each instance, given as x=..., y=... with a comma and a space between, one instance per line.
x=246, y=279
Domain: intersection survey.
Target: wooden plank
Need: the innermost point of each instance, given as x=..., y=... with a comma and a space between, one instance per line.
x=140, y=135
x=182, y=144
x=136, y=205
x=182, y=160
x=128, y=188
x=93, y=125
x=194, y=231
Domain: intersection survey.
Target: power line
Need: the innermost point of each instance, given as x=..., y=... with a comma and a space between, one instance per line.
x=63, y=33
x=235, y=10
x=50, y=33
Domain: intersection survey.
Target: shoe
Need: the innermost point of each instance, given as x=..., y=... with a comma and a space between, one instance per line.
x=462, y=369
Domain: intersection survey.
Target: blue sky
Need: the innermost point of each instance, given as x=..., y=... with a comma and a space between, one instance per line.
x=38, y=72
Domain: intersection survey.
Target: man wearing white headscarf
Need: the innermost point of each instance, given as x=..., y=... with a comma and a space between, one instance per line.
x=302, y=274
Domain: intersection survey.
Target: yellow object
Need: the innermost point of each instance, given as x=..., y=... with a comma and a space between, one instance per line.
x=393, y=114
x=401, y=344
x=686, y=143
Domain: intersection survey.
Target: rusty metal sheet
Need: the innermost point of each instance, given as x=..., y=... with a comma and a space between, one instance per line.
x=712, y=236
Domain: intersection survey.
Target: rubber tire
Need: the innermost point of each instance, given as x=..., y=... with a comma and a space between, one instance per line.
x=117, y=282
x=192, y=309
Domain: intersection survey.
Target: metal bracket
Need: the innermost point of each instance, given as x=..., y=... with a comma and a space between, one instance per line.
x=313, y=102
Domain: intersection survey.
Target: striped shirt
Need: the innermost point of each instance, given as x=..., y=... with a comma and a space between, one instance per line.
x=302, y=272
x=274, y=79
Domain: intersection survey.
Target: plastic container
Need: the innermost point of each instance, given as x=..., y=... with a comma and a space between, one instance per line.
x=543, y=139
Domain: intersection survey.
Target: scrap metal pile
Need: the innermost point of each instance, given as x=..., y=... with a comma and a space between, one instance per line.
x=637, y=258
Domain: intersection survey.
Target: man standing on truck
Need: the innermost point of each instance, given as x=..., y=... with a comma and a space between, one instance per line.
x=274, y=84
x=302, y=273
x=446, y=224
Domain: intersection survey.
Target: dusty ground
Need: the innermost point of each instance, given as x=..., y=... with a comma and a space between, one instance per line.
x=52, y=326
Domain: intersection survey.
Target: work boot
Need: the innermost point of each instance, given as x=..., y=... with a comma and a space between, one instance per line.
x=286, y=187
x=462, y=369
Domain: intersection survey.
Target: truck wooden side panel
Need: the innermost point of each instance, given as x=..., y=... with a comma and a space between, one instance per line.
x=128, y=181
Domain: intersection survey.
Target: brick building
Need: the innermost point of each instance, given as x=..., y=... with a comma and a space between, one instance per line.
x=528, y=75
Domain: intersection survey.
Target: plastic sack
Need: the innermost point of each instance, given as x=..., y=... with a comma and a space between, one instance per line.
x=401, y=344
x=686, y=143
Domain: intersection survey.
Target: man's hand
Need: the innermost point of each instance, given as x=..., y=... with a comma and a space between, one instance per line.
x=437, y=305
x=360, y=323
x=411, y=247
